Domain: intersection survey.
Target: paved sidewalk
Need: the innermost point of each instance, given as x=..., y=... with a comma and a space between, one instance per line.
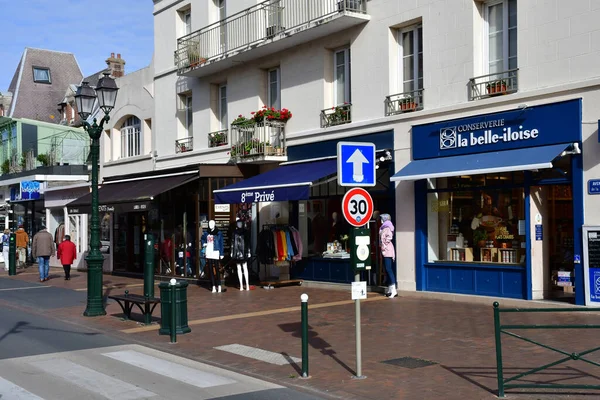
x=456, y=337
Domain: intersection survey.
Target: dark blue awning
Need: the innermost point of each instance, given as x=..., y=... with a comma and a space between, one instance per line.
x=481, y=163
x=288, y=182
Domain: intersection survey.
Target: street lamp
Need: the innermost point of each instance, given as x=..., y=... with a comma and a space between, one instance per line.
x=85, y=98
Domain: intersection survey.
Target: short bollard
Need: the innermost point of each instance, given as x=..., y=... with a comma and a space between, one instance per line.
x=173, y=282
x=304, y=310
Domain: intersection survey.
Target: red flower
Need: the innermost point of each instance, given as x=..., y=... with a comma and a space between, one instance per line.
x=333, y=108
x=252, y=112
x=240, y=116
x=264, y=106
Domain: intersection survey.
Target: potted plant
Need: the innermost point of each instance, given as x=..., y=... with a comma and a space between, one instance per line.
x=269, y=150
x=193, y=54
x=496, y=87
x=480, y=237
x=408, y=104
x=340, y=115
x=271, y=114
x=278, y=150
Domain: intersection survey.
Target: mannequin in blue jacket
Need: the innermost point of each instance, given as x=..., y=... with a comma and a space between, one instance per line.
x=212, y=242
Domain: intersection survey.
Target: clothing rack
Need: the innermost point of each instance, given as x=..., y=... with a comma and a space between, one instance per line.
x=271, y=283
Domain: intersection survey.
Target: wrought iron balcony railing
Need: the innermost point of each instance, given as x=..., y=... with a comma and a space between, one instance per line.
x=496, y=84
x=253, y=141
x=336, y=115
x=218, y=138
x=404, y=102
x=183, y=145
x=255, y=25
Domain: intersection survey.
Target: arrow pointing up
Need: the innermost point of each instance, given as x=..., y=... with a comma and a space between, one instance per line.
x=357, y=159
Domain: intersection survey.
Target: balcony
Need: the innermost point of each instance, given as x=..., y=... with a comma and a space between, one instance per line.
x=404, y=102
x=260, y=30
x=183, y=145
x=336, y=115
x=258, y=143
x=218, y=138
x=491, y=85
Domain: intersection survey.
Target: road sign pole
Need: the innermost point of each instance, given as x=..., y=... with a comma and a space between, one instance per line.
x=359, y=374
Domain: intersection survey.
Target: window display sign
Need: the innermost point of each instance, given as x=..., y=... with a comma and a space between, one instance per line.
x=523, y=127
x=591, y=267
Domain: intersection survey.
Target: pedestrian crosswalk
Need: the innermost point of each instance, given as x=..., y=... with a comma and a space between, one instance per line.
x=129, y=372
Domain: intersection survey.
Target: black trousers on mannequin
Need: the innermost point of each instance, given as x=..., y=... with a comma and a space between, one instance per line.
x=213, y=271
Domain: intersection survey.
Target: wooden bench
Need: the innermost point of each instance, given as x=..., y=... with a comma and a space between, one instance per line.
x=127, y=301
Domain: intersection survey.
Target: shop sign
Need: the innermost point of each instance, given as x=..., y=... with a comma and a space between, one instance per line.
x=591, y=257
x=27, y=190
x=594, y=186
x=222, y=208
x=539, y=232
x=257, y=196
x=526, y=127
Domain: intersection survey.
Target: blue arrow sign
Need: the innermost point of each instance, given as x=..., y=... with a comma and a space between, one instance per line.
x=356, y=164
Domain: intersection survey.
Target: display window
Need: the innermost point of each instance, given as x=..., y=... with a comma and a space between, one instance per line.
x=478, y=219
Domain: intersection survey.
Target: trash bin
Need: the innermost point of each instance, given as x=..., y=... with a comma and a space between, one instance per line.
x=181, y=317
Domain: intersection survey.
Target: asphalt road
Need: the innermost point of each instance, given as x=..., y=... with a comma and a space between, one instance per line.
x=42, y=358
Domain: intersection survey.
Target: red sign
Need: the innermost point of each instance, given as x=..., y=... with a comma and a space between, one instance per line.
x=357, y=207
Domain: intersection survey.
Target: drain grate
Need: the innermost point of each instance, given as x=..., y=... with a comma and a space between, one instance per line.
x=409, y=362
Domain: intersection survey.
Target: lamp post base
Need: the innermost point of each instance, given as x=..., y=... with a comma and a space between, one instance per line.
x=95, y=302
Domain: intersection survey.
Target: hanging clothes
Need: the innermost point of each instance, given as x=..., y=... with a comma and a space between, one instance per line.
x=265, y=247
x=240, y=245
x=279, y=243
x=298, y=242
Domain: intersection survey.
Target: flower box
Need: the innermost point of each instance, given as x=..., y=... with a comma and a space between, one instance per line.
x=496, y=88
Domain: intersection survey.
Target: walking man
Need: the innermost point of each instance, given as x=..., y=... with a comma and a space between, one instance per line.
x=22, y=238
x=42, y=249
x=67, y=252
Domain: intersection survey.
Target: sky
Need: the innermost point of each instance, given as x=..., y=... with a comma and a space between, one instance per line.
x=89, y=29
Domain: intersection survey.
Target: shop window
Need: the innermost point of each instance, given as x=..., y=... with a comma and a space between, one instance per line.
x=501, y=32
x=477, y=219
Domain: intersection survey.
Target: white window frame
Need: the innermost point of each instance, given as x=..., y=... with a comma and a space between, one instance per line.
x=189, y=116
x=270, y=103
x=131, y=137
x=347, y=87
x=187, y=21
x=505, y=35
x=223, y=123
x=414, y=31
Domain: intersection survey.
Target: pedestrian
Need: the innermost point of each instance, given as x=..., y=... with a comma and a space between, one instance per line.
x=22, y=238
x=67, y=252
x=42, y=249
x=5, y=246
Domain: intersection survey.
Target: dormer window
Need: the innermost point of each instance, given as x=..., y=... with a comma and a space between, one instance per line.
x=41, y=75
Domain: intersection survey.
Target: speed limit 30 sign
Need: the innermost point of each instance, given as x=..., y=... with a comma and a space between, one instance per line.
x=357, y=206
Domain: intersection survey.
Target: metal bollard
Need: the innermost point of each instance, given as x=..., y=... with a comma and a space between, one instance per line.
x=304, y=311
x=173, y=282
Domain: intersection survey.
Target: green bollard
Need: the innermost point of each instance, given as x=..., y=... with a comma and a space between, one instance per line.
x=497, y=335
x=148, y=267
x=173, y=282
x=12, y=254
x=304, y=311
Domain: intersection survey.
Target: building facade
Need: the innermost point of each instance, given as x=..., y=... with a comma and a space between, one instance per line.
x=510, y=85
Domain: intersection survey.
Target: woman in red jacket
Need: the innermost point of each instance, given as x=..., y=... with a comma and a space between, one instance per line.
x=67, y=252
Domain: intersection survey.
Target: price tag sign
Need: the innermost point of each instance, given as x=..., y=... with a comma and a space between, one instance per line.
x=359, y=290
x=357, y=207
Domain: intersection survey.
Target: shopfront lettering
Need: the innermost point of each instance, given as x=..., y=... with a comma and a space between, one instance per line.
x=451, y=139
x=103, y=208
x=480, y=125
x=264, y=196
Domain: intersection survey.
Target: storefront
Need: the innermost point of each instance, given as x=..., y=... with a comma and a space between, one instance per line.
x=499, y=203
x=302, y=195
x=170, y=206
x=60, y=223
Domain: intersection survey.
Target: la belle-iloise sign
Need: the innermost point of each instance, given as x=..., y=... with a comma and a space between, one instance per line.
x=488, y=132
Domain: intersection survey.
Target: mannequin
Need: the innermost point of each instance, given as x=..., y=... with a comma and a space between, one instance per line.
x=386, y=234
x=334, y=230
x=212, y=241
x=240, y=252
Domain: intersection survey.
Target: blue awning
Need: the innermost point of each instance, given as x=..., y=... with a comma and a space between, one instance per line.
x=481, y=163
x=288, y=182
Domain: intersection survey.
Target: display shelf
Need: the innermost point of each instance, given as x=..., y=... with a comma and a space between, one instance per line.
x=488, y=254
x=461, y=254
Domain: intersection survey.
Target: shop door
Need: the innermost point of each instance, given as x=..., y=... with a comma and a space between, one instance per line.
x=560, y=241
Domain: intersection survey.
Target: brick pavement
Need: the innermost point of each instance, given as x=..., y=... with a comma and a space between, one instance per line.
x=458, y=337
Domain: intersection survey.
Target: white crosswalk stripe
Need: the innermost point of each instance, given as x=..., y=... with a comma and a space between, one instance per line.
x=10, y=391
x=129, y=372
x=91, y=380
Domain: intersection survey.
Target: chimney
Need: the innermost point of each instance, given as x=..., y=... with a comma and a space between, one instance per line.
x=116, y=65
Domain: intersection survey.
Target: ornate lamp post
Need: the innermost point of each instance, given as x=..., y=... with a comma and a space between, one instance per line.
x=85, y=98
